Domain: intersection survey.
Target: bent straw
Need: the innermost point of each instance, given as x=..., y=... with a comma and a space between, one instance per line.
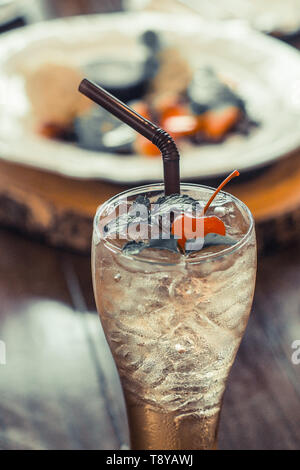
x=155, y=134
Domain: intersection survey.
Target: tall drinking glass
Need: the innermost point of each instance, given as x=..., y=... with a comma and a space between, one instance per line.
x=174, y=323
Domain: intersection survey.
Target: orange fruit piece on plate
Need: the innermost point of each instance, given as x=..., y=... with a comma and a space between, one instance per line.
x=217, y=122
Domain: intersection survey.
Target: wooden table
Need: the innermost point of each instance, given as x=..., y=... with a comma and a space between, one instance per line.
x=59, y=388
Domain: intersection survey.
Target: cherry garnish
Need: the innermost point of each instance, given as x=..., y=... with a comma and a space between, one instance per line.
x=186, y=227
x=226, y=180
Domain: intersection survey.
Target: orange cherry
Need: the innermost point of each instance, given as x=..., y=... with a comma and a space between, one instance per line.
x=186, y=227
x=217, y=122
x=213, y=224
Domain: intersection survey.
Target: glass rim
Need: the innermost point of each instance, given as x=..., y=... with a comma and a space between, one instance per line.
x=156, y=186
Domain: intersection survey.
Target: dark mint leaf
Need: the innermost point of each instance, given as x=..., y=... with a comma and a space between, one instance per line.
x=134, y=216
x=138, y=213
x=143, y=200
x=211, y=239
x=193, y=245
x=175, y=200
x=176, y=204
x=168, y=244
x=134, y=248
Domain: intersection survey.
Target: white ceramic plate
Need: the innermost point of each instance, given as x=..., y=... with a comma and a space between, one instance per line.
x=266, y=73
x=280, y=17
x=9, y=10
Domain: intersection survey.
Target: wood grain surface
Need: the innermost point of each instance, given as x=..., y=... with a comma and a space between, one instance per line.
x=60, y=210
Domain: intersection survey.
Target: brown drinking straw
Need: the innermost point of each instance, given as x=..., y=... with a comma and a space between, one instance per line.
x=156, y=135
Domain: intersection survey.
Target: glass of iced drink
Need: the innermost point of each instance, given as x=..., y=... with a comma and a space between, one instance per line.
x=173, y=313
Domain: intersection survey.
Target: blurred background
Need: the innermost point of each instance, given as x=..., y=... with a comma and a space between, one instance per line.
x=224, y=79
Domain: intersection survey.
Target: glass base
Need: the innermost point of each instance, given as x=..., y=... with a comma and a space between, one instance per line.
x=152, y=429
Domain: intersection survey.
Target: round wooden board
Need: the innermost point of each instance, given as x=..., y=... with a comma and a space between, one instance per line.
x=61, y=210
